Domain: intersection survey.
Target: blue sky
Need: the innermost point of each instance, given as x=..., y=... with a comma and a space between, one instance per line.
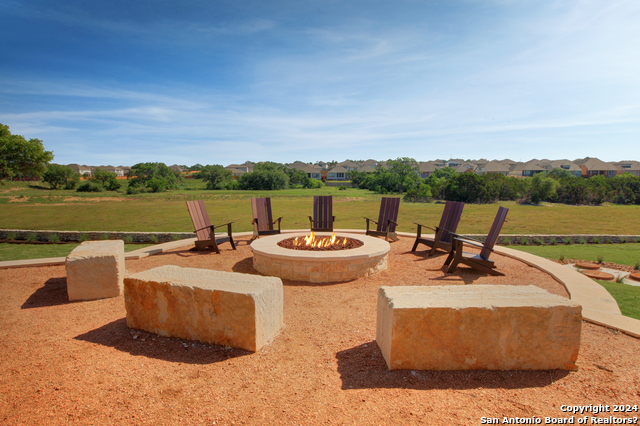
x=220, y=82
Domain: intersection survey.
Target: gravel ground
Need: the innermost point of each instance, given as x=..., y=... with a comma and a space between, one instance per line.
x=79, y=363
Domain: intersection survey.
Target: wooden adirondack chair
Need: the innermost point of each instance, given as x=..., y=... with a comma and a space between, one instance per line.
x=323, y=217
x=386, y=224
x=481, y=261
x=262, y=218
x=204, y=230
x=448, y=225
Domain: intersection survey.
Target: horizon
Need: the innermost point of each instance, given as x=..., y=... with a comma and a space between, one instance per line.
x=229, y=82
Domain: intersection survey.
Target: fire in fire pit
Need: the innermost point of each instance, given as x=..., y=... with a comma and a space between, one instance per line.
x=316, y=243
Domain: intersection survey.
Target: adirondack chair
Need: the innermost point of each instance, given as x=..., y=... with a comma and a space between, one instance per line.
x=448, y=225
x=204, y=230
x=481, y=261
x=323, y=217
x=386, y=224
x=262, y=218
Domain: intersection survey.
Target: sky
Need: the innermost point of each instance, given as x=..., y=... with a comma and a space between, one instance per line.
x=221, y=82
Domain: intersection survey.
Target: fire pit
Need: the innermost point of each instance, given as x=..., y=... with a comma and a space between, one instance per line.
x=367, y=256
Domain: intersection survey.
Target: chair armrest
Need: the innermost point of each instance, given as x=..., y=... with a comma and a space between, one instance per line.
x=224, y=224
x=277, y=220
x=367, y=219
x=472, y=243
x=462, y=237
x=423, y=226
x=393, y=221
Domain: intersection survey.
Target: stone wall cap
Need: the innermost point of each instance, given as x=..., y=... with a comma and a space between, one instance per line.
x=207, y=279
x=472, y=296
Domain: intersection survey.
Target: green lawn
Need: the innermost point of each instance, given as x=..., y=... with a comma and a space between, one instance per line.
x=165, y=212
x=38, y=251
x=623, y=254
x=627, y=296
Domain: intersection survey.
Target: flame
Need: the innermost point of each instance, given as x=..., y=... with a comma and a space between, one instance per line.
x=320, y=242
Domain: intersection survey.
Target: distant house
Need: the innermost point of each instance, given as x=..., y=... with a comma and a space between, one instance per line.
x=367, y=168
x=337, y=173
x=81, y=169
x=247, y=168
x=567, y=165
x=596, y=167
x=177, y=168
x=348, y=165
x=492, y=167
x=236, y=172
x=526, y=169
x=312, y=171
x=632, y=167
x=426, y=168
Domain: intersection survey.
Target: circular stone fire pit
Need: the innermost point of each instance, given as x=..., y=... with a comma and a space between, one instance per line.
x=320, y=266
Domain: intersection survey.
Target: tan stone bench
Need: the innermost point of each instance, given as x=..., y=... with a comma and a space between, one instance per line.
x=239, y=310
x=95, y=270
x=477, y=327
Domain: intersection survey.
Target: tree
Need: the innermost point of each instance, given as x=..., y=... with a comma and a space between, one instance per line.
x=407, y=170
x=107, y=179
x=467, y=187
x=19, y=156
x=265, y=176
x=542, y=189
x=58, y=176
x=215, y=175
x=155, y=176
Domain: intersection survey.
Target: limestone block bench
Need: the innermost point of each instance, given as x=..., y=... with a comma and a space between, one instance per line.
x=477, y=327
x=239, y=310
x=95, y=270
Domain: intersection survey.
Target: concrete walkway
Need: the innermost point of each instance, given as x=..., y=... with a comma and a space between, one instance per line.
x=598, y=306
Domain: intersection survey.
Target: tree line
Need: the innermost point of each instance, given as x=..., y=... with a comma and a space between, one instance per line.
x=556, y=186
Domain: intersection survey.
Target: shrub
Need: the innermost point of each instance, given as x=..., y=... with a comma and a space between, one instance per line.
x=128, y=239
x=175, y=237
x=552, y=241
x=623, y=240
x=538, y=241
x=582, y=240
x=106, y=179
x=89, y=187
x=58, y=176
x=597, y=240
x=600, y=258
x=569, y=241
x=32, y=237
x=506, y=241
x=637, y=265
x=620, y=279
x=54, y=238
x=132, y=190
x=342, y=188
x=11, y=236
x=608, y=240
x=561, y=258
x=104, y=236
x=524, y=241
x=83, y=237
x=153, y=238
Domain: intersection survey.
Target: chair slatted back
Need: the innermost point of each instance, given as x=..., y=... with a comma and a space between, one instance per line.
x=200, y=219
x=322, y=212
x=262, y=211
x=452, y=220
x=388, y=210
x=494, y=233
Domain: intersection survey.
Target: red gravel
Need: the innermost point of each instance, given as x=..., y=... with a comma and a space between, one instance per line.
x=79, y=363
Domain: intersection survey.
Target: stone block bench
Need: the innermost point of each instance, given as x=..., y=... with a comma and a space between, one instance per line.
x=477, y=327
x=95, y=270
x=239, y=310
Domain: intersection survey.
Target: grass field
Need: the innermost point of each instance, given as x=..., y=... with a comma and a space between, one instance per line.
x=627, y=296
x=33, y=206
x=623, y=254
x=38, y=251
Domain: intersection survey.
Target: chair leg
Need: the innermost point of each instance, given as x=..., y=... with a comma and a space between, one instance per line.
x=231, y=236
